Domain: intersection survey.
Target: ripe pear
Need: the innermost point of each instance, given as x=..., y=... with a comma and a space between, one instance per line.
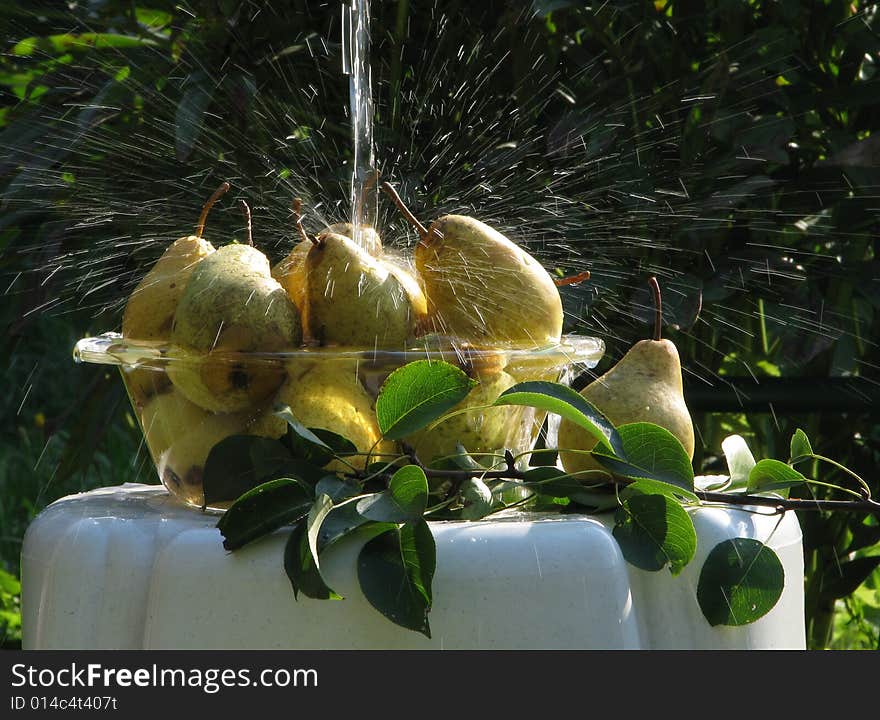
x=180, y=434
x=150, y=309
x=481, y=287
x=644, y=386
x=328, y=394
x=231, y=310
x=369, y=239
x=291, y=273
x=355, y=299
x=481, y=430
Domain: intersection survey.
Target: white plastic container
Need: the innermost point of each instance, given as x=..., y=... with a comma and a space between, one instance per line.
x=128, y=568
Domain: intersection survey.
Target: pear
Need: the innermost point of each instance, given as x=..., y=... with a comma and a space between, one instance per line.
x=480, y=286
x=180, y=434
x=232, y=310
x=357, y=300
x=327, y=394
x=291, y=273
x=150, y=309
x=644, y=386
x=369, y=239
x=481, y=430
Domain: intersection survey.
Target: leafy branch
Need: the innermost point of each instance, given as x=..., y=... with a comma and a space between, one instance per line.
x=317, y=483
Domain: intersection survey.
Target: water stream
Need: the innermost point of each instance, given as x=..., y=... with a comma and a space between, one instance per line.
x=356, y=64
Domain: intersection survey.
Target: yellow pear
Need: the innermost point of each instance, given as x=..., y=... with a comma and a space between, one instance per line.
x=327, y=394
x=180, y=434
x=369, y=239
x=291, y=273
x=357, y=300
x=231, y=312
x=644, y=386
x=149, y=312
x=481, y=287
x=481, y=430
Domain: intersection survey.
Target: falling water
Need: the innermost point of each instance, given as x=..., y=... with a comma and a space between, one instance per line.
x=356, y=64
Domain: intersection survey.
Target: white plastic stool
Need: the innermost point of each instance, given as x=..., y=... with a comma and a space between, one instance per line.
x=127, y=567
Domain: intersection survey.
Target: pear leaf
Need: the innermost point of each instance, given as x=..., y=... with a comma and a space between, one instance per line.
x=741, y=580
x=477, y=499
x=567, y=403
x=650, y=452
x=740, y=461
x=395, y=570
x=654, y=531
x=239, y=463
x=263, y=510
x=769, y=474
x=415, y=395
x=301, y=565
x=800, y=446
x=405, y=500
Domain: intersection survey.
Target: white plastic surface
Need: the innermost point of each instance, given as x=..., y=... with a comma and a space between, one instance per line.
x=127, y=567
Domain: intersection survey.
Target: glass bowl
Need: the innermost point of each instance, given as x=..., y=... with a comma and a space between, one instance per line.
x=187, y=403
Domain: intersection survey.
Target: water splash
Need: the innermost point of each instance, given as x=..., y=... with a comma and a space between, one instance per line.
x=356, y=64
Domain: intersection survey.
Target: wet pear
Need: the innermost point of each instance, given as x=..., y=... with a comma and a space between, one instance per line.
x=291, y=273
x=481, y=287
x=231, y=309
x=355, y=299
x=481, y=430
x=369, y=239
x=644, y=386
x=180, y=434
x=149, y=311
x=328, y=394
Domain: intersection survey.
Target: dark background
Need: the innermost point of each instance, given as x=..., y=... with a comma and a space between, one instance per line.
x=731, y=148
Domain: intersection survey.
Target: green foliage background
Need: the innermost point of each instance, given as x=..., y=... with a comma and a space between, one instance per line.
x=756, y=121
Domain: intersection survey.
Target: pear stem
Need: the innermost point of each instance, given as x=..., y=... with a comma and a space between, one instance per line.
x=658, y=307
x=297, y=219
x=246, y=211
x=573, y=279
x=206, y=208
x=389, y=190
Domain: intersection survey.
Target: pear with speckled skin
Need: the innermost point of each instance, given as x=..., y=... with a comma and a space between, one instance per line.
x=644, y=386
x=149, y=311
x=354, y=299
x=483, y=288
x=327, y=394
x=180, y=434
x=232, y=308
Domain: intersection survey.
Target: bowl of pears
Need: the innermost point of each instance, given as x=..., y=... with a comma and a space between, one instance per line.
x=217, y=341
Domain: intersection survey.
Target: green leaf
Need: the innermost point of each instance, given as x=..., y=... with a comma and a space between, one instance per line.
x=741, y=581
x=771, y=474
x=567, y=403
x=840, y=581
x=314, y=445
x=477, y=499
x=189, y=117
x=800, y=446
x=654, y=531
x=301, y=566
x=656, y=487
x=419, y=554
x=405, y=499
x=650, y=452
x=337, y=489
x=239, y=463
x=418, y=393
x=388, y=584
x=739, y=461
x=263, y=510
